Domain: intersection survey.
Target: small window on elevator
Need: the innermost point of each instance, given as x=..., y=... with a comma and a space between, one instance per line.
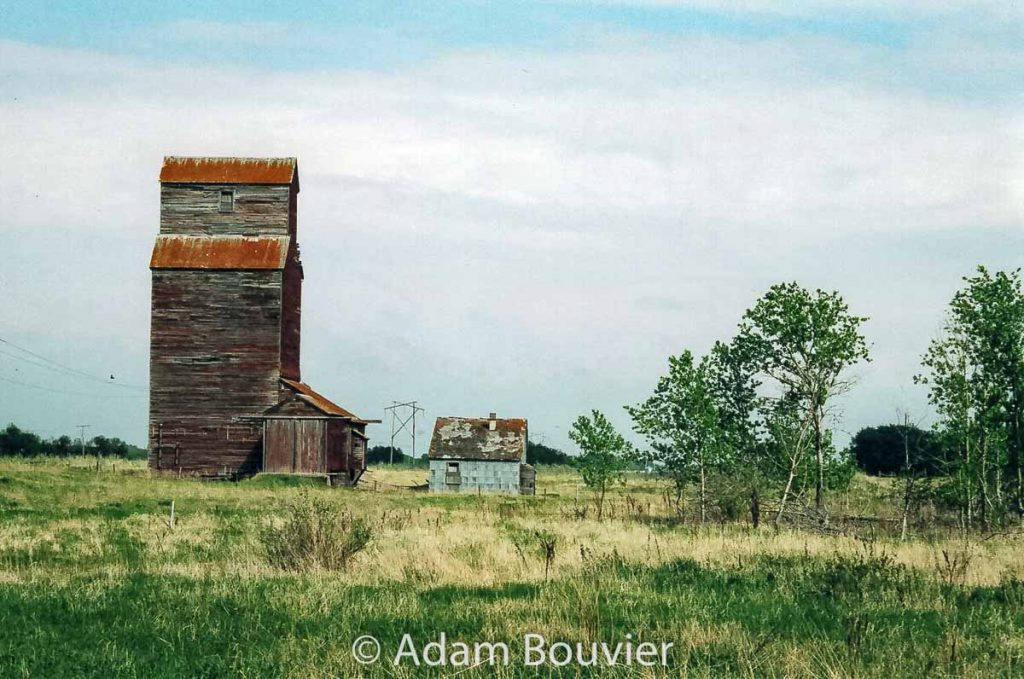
x=227, y=201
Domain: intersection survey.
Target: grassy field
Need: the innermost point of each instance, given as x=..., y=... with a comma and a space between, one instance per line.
x=95, y=582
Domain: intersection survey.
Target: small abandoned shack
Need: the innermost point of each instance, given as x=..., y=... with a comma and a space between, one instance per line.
x=226, y=396
x=480, y=454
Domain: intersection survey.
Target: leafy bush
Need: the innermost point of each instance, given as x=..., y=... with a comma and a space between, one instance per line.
x=315, y=534
x=840, y=470
x=865, y=575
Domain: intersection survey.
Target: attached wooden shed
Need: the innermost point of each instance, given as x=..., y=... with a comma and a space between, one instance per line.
x=305, y=433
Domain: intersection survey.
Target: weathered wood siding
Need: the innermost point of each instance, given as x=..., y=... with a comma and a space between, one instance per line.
x=279, y=447
x=337, y=447
x=258, y=210
x=291, y=319
x=336, y=444
x=221, y=339
x=296, y=446
x=288, y=403
x=310, y=439
x=214, y=362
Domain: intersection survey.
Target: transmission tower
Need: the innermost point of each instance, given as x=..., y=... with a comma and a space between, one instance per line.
x=403, y=418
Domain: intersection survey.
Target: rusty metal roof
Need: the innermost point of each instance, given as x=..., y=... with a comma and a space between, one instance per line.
x=178, y=170
x=320, y=402
x=219, y=252
x=471, y=438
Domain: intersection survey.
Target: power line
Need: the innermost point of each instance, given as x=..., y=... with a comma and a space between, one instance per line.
x=59, y=371
x=71, y=393
x=67, y=369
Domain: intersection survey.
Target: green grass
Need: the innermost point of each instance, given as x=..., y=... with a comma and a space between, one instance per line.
x=94, y=582
x=752, y=619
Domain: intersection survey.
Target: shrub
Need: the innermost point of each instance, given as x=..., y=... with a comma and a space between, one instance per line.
x=839, y=470
x=315, y=534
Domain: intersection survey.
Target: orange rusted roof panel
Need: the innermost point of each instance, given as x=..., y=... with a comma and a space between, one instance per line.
x=179, y=170
x=318, y=401
x=219, y=252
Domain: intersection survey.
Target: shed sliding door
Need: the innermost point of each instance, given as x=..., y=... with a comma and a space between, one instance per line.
x=295, y=446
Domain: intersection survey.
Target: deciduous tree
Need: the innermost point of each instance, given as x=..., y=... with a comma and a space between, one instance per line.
x=682, y=422
x=804, y=342
x=604, y=454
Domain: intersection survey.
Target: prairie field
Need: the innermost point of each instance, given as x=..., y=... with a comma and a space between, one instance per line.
x=96, y=580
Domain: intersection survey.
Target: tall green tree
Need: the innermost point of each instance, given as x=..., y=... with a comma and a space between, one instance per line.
x=604, y=454
x=682, y=423
x=787, y=443
x=804, y=342
x=734, y=386
x=975, y=373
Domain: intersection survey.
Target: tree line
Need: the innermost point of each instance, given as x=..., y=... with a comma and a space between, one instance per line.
x=536, y=453
x=751, y=418
x=15, y=441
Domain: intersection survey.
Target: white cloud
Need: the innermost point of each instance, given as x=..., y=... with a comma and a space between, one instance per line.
x=518, y=230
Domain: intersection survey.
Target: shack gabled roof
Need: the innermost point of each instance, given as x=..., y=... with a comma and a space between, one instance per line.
x=471, y=438
x=195, y=170
x=220, y=252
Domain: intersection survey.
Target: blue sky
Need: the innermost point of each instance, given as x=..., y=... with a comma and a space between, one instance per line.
x=414, y=29
x=385, y=36
x=526, y=207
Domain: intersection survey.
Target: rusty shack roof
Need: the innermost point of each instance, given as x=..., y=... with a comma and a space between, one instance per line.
x=320, y=402
x=178, y=170
x=471, y=438
x=219, y=252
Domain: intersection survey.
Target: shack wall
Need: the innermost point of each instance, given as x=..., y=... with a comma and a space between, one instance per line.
x=476, y=476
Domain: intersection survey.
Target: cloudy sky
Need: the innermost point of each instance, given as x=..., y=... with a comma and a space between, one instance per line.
x=522, y=207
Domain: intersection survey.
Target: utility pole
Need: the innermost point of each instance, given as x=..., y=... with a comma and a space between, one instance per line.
x=399, y=423
x=82, y=428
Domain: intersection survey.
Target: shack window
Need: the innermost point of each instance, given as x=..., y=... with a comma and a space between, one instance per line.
x=453, y=467
x=227, y=201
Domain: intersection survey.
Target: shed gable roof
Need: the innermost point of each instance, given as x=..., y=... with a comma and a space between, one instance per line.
x=471, y=438
x=181, y=170
x=321, y=403
x=220, y=252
